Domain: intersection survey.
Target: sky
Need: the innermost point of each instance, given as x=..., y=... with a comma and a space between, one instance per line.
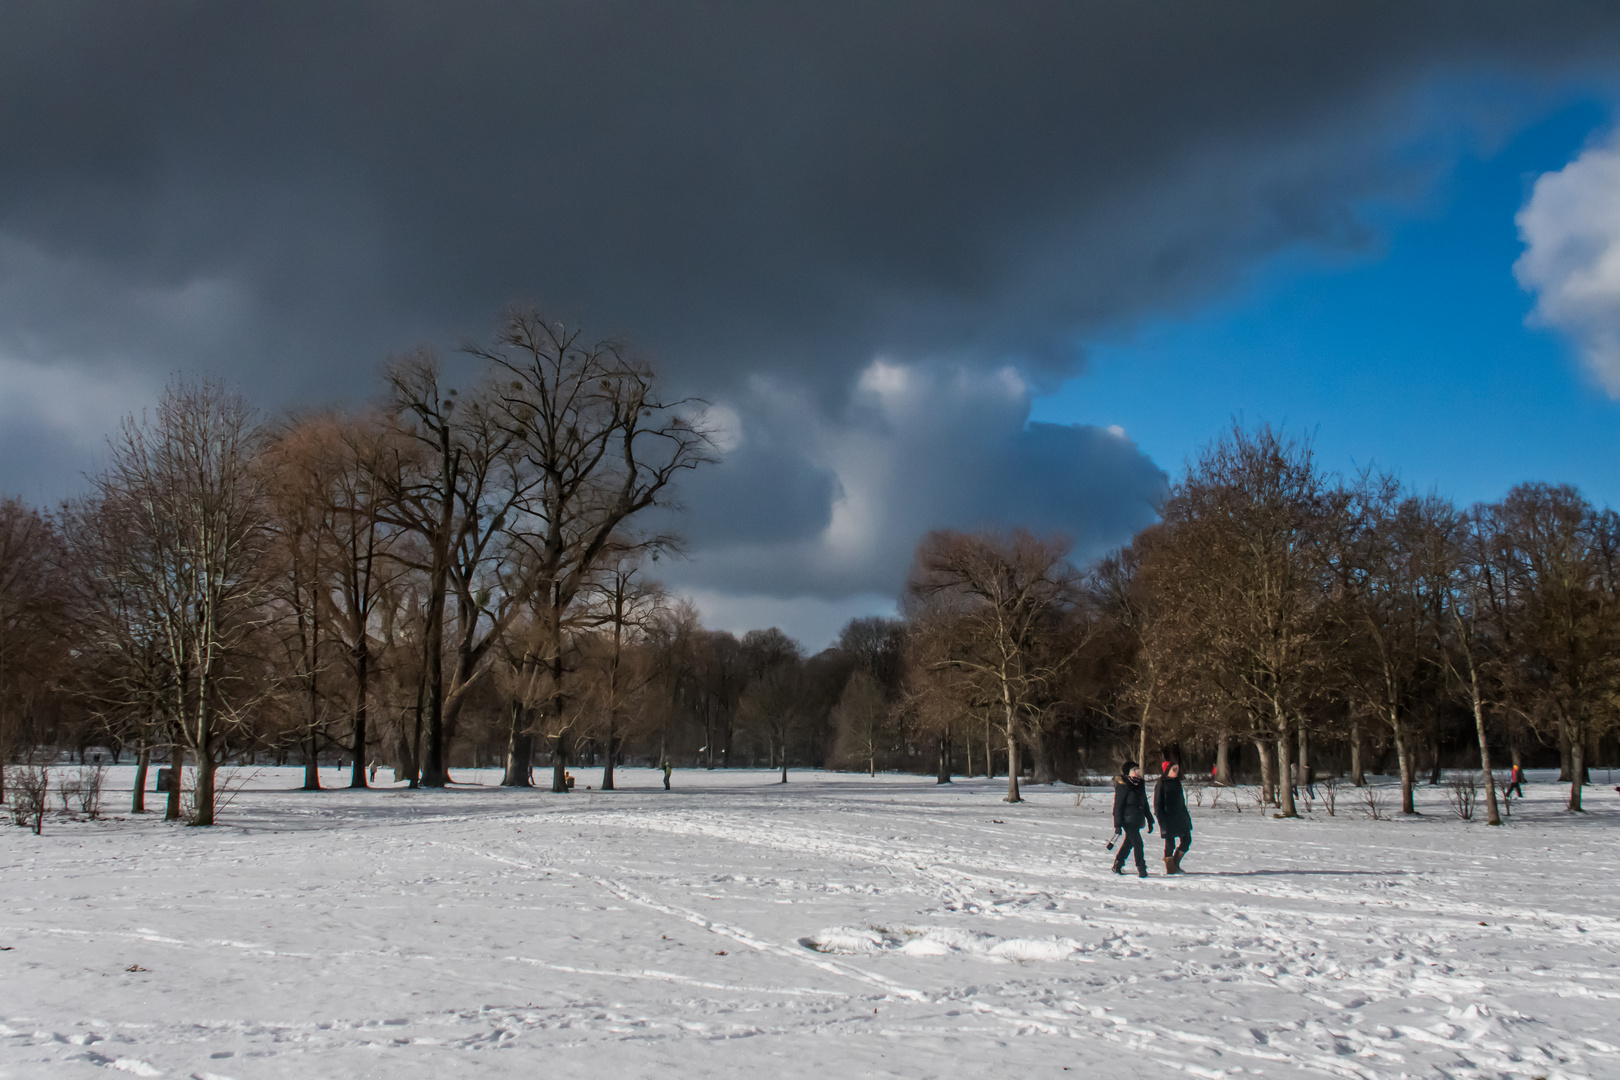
x=932, y=264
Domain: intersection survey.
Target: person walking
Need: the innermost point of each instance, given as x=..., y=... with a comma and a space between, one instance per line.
x=1516, y=782
x=1175, y=823
x=668, y=768
x=1130, y=813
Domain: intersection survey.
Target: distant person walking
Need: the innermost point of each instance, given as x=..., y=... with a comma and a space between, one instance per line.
x=668, y=768
x=1130, y=813
x=1516, y=782
x=1175, y=823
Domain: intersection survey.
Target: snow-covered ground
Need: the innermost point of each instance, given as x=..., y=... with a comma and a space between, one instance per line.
x=837, y=926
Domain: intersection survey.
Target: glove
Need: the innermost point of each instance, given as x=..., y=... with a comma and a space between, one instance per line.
x=1150, y=828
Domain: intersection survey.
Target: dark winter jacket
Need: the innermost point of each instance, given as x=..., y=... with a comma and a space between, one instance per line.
x=1131, y=804
x=1170, y=807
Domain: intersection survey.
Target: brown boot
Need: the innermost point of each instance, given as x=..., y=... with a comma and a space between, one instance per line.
x=1174, y=865
x=1169, y=866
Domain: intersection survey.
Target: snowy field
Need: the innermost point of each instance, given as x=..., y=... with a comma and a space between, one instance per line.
x=838, y=926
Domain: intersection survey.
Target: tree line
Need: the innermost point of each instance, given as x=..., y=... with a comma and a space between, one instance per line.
x=1276, y=615
x=458, y=578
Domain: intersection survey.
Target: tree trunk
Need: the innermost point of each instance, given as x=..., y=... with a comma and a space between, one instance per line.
x=1141, y=736
x=177, y=761
x=519, y=749
x=1408, y=767
x=204, y=794
x=989, y=756
x=1268, y=788
x=312, y=762
x=967, y=747
x=1358, y=776
x=1492, y=814
x=1223, y=758
x=944, y=774
x=1577, y=770
x=559, y=763
x=1304, y=751
x=607, y=766
x=137, y=801
x=434, y=773
x=1434, y=774
x=1042, y=753
x=1012, y=764
x=1565, y=770
x=1285, y=767
x=359, y=734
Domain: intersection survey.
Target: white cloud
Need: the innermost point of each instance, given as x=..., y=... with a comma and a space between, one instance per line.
x=1571, y=232
x=831, y=503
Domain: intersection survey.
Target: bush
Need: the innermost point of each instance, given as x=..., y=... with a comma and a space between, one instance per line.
x=30, y=794
x=1462, y=792
x=1373, y=803
x=89, y=785
x=1330, y=795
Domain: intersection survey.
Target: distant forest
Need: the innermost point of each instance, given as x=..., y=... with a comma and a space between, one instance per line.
x=459, y=579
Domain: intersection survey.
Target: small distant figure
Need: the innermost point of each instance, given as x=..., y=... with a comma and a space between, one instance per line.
x=1516, y=782
x=668, y=768
x=1175, y=823
x=373, y=768
x=1310, y=781
x=1130, y=812
x=568, y=780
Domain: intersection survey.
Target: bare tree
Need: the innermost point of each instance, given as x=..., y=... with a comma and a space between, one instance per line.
x=1254, y=505
x=1463, y=553
x=32, y=618
x=1387, y=606
x=861, y=721
x=601, y=446
x=622, y=605
x=990, y=601
x=1563, y=563
x=775, y=704
x=187, y=485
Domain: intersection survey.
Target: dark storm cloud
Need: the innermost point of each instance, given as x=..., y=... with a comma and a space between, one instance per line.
x=284, y=193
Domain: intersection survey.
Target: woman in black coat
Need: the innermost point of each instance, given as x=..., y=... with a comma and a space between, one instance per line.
x=1130, y=812
x=1175, y=823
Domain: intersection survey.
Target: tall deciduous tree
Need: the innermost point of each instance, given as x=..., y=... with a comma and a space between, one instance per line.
x=993, y=603
x=190, y=493
x=599, y=445
x=1256, y=506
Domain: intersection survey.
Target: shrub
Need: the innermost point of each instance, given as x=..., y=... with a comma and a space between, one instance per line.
x=1462, y=792
x=89, y=783
x=31, y=792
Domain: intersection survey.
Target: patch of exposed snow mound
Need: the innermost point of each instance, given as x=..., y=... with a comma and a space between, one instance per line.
x=936, y=941
x=846, y=940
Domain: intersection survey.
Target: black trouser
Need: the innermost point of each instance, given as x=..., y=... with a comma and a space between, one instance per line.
x=1132, y=842
x=1516, y=788
x=1171, y=851
x=666, y=783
